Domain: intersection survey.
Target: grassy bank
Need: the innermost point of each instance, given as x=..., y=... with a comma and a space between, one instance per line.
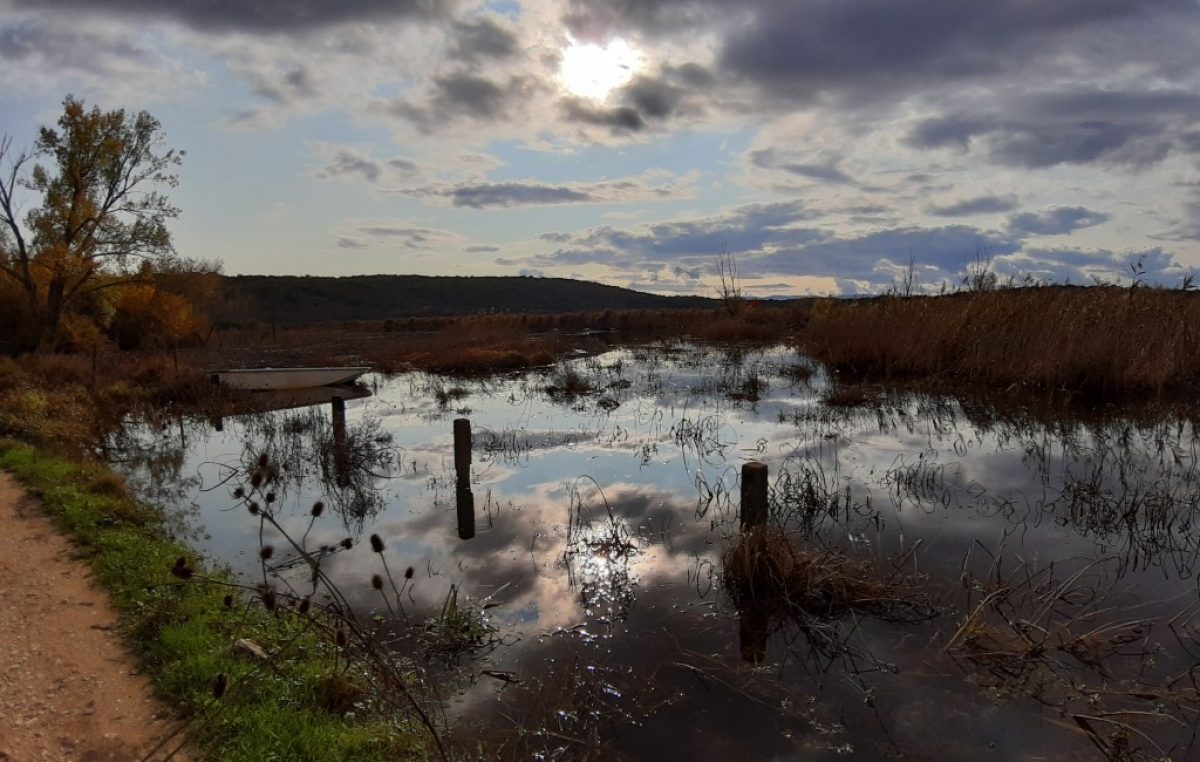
x=182, y=630
x=1098, y=340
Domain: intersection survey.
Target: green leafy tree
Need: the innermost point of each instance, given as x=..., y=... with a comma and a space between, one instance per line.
x=100, y=214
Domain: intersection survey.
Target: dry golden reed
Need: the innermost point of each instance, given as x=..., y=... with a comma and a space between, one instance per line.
x=1097, y=339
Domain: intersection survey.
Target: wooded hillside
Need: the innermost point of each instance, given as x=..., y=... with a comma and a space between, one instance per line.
x=308, y=299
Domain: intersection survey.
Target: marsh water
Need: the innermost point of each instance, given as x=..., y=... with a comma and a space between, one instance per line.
x=1041, y=600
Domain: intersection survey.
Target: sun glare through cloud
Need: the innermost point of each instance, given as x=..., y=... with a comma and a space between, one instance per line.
x=591, y=71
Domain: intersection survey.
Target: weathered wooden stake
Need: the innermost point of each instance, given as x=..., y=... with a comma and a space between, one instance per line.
x=462, y=452
x=754, y=494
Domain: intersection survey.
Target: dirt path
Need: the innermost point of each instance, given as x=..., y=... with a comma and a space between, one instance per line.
x=68, y=691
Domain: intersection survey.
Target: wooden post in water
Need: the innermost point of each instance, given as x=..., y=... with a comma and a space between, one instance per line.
x=341, y=459
x=754, y=495
x=464, y=498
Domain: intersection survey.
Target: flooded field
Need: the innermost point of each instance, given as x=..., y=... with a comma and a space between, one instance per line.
x=954, y=579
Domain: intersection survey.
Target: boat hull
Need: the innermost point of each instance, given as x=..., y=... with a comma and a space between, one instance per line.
x=261, y=379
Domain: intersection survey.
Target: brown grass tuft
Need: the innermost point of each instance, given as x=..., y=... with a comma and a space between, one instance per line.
x=764, y=570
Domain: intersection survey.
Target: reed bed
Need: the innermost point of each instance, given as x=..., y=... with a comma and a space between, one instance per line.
x=1094, y=340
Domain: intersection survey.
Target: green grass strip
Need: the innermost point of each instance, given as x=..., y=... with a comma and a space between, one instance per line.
x=181, y=631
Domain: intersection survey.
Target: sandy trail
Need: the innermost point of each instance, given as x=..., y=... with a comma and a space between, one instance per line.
x=68, y=689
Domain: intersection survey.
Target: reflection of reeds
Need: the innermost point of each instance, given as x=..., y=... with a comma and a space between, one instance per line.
x=765, y=571
x=1063, y=636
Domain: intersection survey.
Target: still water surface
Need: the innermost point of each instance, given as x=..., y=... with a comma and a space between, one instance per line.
x=600, y=521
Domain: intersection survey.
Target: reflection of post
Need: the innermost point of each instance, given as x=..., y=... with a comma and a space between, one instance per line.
x=341, y=459
x=465, y=503
x=464, y=499
x=462, y=452
x=754, y=494
x=752, y=634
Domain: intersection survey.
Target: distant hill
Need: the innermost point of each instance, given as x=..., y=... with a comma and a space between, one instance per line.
x=309, y=299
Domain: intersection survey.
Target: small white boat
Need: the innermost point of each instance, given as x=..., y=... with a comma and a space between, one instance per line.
x=285, y=378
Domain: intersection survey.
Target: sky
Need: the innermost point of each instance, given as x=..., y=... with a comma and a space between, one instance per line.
x=823, y=145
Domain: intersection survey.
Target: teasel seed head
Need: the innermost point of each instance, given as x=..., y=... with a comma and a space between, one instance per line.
x=318, y=509
x=347, y=543
x=228, y=601
x=408, y=573
x=266, y=552
x=376, y=543
x=219, y=685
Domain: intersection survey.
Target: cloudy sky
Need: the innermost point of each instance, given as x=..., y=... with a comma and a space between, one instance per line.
x=822, y=143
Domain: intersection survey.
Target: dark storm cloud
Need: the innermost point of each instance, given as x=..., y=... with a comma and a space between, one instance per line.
x=75, y=50
x=481, y=39
x=250, y=15
x=619, y=118
x=342, y=163
x=1134, y=129
x=825, y=171
x=462, y=95
x=977, y=205
x=346, y=163
x=1036, y=145
x=1056, y=221
x=490, y=195
x=823, y=45
x=646, y=101
x=469, y=94
x=481, y=249
x=653, y=98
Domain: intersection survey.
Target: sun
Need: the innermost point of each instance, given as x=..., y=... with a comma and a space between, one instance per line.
x=591, y=71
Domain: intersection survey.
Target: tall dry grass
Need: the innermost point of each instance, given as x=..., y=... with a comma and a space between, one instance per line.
x=1097, y=339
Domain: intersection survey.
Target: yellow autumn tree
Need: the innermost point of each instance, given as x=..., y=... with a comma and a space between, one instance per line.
x=99, y=214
